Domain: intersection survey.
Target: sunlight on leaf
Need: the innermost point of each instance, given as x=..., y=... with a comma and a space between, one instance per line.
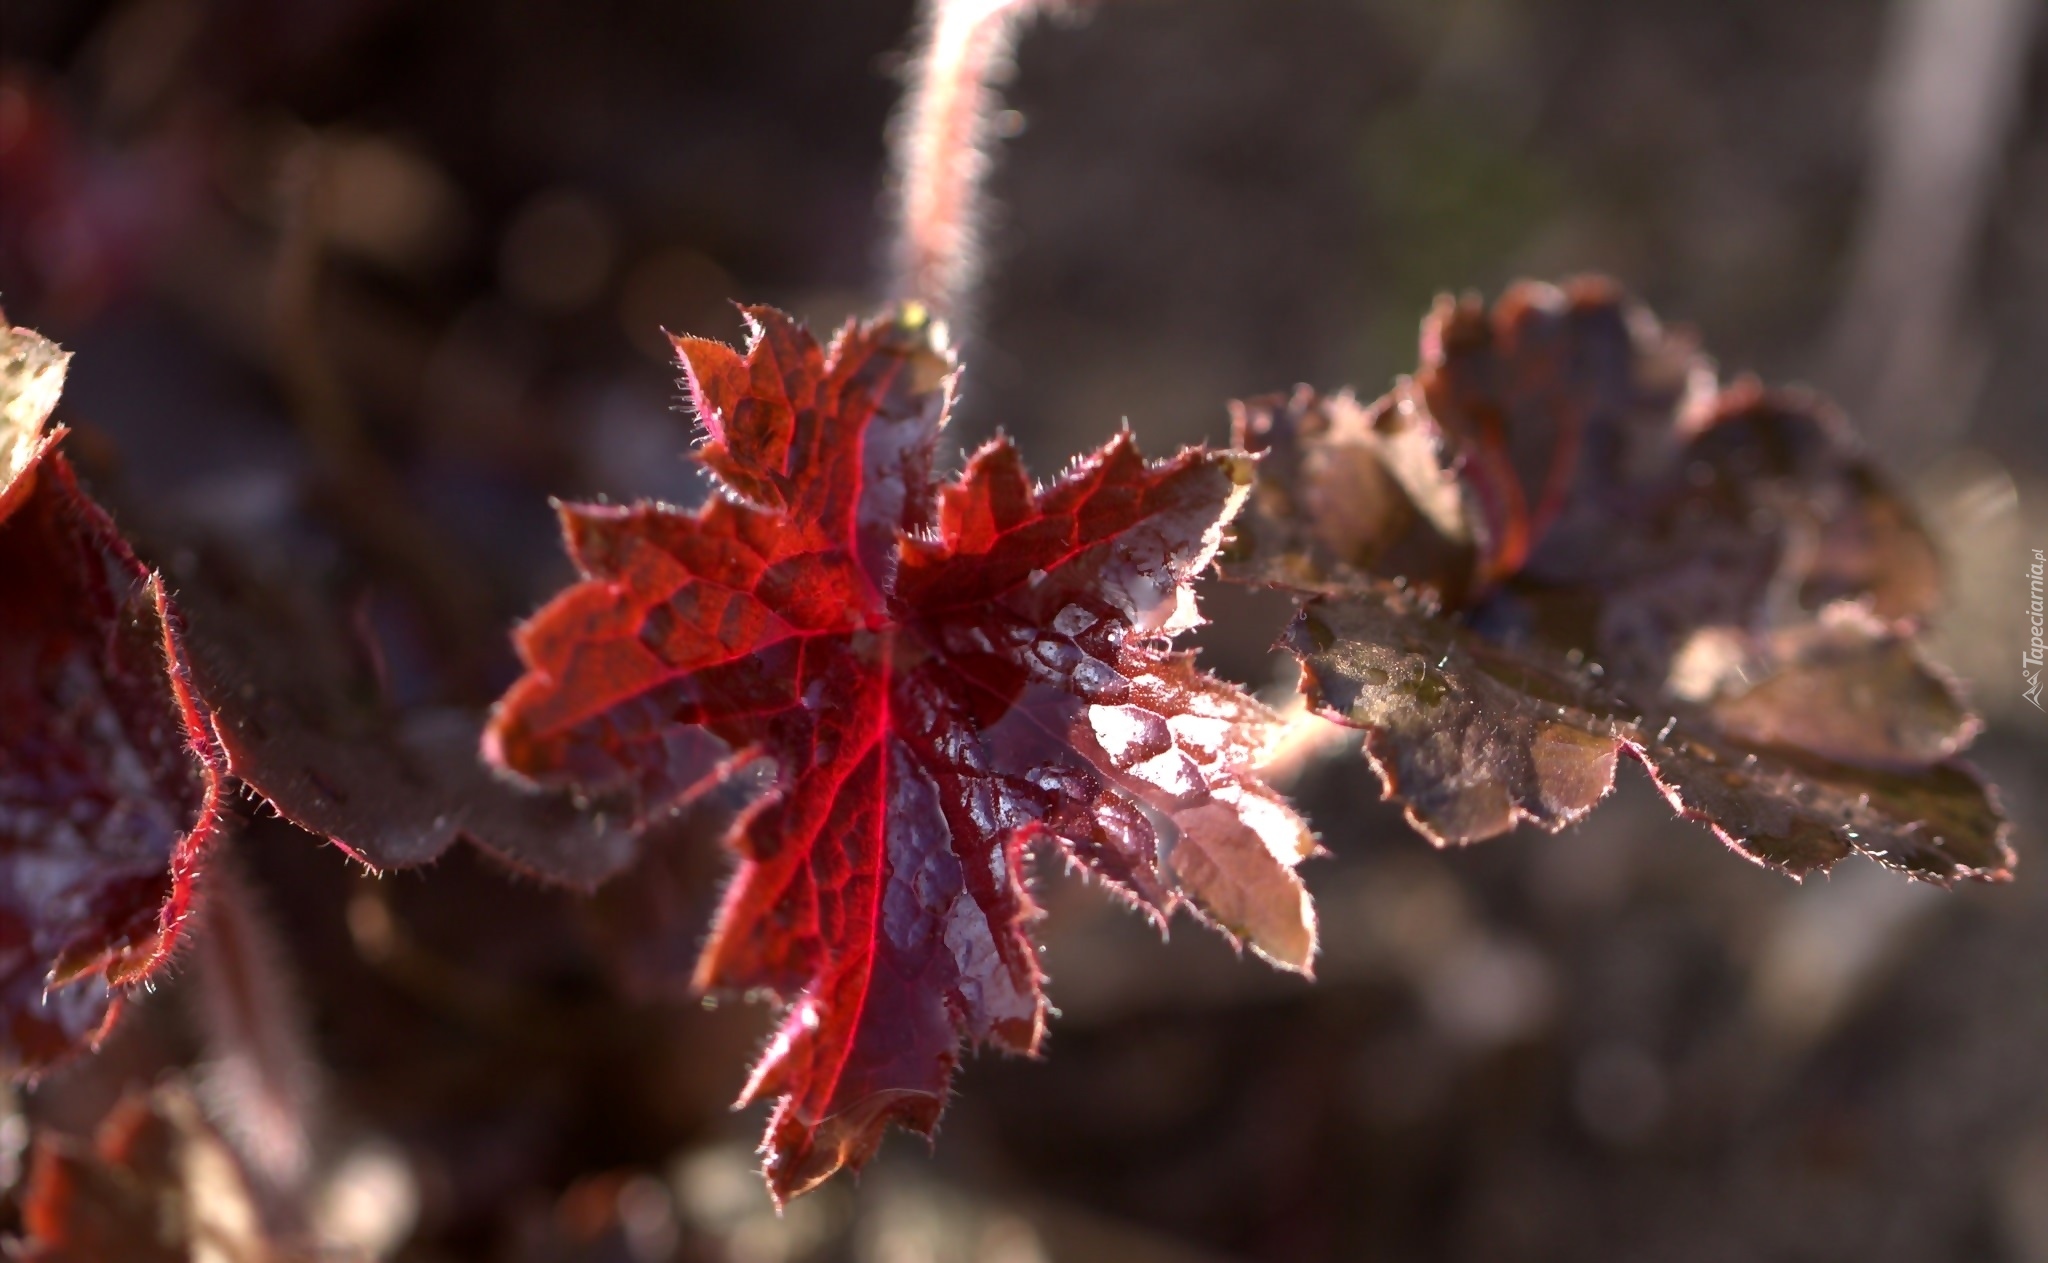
x=1712, y=580
x=940, y=674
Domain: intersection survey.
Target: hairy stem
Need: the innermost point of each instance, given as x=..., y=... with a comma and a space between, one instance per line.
x=941, y=143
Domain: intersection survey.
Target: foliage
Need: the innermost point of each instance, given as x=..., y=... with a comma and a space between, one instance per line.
x=109, y=787
x=1563, y=542
x=940, y=673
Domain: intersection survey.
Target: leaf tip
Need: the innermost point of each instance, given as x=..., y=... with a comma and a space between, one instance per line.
x=797, y=1156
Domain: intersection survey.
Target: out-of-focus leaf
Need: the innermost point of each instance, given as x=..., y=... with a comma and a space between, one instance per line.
x=124, y=727
x=1345, y=491
x=1555, y=401
x=940, y=674
x=120, y=205
x=1713, y=580
x=157, y=1185
x=301, y=721
x=110, y=787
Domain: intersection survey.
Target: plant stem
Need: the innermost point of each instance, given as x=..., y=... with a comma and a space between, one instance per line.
x=941, y=143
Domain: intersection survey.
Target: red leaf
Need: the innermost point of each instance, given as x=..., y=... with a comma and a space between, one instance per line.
x=109, y=786
x=940, y=675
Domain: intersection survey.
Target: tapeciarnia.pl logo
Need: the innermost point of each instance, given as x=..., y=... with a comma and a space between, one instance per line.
x=2030, y=661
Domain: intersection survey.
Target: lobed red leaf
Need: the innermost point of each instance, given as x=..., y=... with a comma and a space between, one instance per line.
x=939, y=675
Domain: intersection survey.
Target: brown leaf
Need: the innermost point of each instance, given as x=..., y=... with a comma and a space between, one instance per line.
x=1345, y=491
x=1656, y=556
x=157, y=1185
x=1474, y=738
x=300, y=720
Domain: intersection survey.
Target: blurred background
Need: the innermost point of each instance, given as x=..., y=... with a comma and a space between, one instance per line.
x=355, y=285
